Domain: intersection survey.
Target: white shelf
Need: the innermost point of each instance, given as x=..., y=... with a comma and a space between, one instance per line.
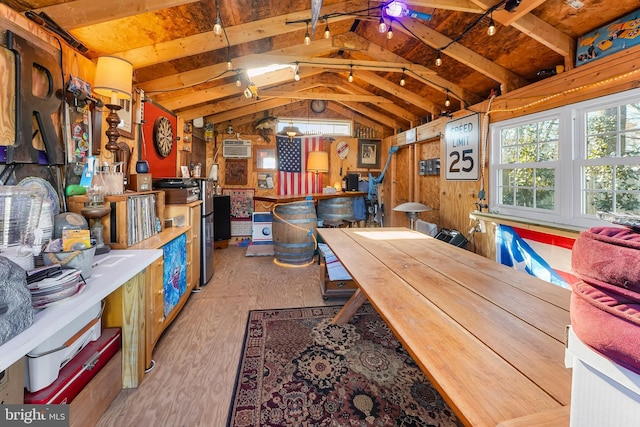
x=110, y=271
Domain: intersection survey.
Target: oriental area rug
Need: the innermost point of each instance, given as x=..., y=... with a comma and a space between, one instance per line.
x=297, y=369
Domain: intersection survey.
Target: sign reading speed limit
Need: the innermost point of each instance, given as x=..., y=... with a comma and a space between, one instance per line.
x=462, y=138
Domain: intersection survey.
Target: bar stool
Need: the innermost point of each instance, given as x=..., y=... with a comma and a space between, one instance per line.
x=352, y=222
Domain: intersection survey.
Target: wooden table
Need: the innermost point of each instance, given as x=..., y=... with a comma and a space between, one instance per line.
x=312, y=196
x=491, y=339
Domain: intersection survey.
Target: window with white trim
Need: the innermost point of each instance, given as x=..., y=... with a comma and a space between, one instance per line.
x=566, y=165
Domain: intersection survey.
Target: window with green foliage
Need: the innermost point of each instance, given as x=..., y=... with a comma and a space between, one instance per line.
x=568, y=164
x=610, y=169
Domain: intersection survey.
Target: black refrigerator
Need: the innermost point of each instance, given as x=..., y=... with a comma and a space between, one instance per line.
x=207, y=192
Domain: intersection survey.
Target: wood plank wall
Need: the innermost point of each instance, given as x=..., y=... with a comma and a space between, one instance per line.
x=454, y=200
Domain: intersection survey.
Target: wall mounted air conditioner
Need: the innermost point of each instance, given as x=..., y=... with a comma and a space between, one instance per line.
x=236, y=148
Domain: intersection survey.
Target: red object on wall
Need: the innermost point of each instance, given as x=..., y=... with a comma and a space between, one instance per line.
x=159, y=167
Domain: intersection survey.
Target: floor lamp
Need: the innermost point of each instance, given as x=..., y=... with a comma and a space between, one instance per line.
x=318, y=162
x=113, y=79
x=411, y=209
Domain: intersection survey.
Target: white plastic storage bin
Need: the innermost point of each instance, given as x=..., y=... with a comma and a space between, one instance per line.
x=602, y=392
x=44, y=362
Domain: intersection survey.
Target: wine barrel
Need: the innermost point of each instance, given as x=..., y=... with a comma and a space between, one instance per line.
x=293, y=229
x=336, y=209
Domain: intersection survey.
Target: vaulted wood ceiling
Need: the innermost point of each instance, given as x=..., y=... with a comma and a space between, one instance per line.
x=182, y=64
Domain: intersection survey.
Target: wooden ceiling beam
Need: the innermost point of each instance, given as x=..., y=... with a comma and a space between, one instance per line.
x=373, y=99
x=204, y=74
x=507, y=79
x=524, y=21
x=432, y=80
x=82, y=13
x=398, y=91
x=237, y=34
x=337, y=82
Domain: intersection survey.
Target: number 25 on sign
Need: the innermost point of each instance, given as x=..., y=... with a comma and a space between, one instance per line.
x=462, y=138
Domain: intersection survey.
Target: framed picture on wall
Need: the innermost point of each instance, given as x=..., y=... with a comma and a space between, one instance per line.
x=369, y=153
x=126, y=118
x=264, y=158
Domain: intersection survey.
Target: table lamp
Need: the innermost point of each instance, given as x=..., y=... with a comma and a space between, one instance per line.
x=113, y=80
x=318, y=162
x=411, y=209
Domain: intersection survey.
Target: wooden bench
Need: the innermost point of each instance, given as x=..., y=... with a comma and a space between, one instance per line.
x=489, y=338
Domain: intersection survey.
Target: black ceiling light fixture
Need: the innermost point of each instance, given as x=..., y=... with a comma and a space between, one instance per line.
x=511, y=5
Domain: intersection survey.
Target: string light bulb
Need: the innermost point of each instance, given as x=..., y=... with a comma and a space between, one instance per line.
x=217, y=28
x=447, y=101
x=229, y=65
x=390, y=32
x=327, y=33
x=492, y=26
x=402, y=81
x=238, y=82
x=296, y=76
x=382, y=26
x=307, y=38
x=438, y=60
x=350, y=79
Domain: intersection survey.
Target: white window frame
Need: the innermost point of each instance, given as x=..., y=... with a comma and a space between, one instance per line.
x=329, y=127
x=568, y=187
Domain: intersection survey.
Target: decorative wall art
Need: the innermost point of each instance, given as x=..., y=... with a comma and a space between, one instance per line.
x=369, y=153
x=241, y=203
x=614, y=37
x=235, y=172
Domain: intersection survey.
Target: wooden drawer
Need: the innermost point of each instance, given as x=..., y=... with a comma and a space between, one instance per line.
x=88, y=406
x=334, y=288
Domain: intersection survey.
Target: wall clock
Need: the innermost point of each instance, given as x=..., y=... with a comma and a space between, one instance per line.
x=163, y=136
x=318, y=105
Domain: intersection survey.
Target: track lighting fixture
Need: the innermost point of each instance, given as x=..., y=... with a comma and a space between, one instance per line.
x=390, y=32
x=327, y=33
x=438, y=59
x=217, y=28
x=296, y=76
x=447, y=101
x=492, y=26
x=350, y=79
x=307, y=38
x=402, y=81
x=382, y=26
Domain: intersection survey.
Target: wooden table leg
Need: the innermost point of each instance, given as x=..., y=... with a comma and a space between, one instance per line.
x=349, y=309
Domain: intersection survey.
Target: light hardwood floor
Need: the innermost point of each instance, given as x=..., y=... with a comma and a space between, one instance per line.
x=197, y=356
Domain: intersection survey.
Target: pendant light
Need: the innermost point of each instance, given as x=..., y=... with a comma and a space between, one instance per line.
x=447, y=101
x=350, y=79
x=492, y=26
x=327, y=33
x=307, y=38
x=382, y=26
x=217, y=28
x=402, y=81
x=438, y=60
x=390, y=32
x=296, y=76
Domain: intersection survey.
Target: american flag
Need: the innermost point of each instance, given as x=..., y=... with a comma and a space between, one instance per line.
x=293, y=177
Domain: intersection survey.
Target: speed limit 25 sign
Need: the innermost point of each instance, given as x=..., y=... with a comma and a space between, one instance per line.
x=462, y=138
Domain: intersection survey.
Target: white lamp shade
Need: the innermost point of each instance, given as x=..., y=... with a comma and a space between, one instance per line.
x=113, y=78
x=318, y=161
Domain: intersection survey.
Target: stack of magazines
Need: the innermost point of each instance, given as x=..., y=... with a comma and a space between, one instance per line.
x=52, y=285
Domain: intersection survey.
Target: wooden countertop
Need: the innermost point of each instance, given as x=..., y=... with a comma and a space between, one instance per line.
x=314, y=196
x=490, y=338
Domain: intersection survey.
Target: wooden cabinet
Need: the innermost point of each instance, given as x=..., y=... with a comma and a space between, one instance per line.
x=191, y=213
x=119, y=226
x=129, y=222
